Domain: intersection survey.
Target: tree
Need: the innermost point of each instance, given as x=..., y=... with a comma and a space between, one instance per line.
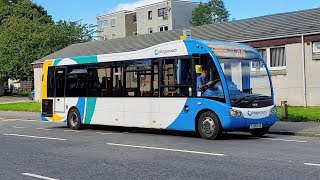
x=28, y=33
x=209, y=13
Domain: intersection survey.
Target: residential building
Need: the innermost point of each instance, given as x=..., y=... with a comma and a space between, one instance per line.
x=289, y=42
x=157, y=17
x=164, y=16
x=116, y=25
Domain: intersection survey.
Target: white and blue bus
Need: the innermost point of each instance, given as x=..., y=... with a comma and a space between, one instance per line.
x=207, y=87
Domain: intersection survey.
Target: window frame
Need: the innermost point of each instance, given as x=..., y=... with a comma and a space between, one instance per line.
x=102, y=25
x=163, y=28
x=150, y=13
x=268, y=60
x=114, y=22
x=161, y=12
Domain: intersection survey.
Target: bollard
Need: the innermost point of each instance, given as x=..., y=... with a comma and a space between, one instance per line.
x=284, y=110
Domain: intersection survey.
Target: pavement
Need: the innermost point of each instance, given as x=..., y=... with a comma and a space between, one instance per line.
x=19, y=115
x=310, y=129
x=33, y=149
x=11, y=99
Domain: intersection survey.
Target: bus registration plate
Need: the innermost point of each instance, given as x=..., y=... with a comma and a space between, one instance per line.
x=256, y=126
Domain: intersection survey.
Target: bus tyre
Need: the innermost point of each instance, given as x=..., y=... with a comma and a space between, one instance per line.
x=209, y=125
x=259, y=132
x=74, y=121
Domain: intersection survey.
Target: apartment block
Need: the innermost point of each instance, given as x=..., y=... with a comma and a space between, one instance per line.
x=117, y=25
x=164, y=16
x=157, y=17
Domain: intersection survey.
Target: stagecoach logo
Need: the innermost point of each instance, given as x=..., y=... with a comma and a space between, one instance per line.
x=164, y=51
x=257, y=113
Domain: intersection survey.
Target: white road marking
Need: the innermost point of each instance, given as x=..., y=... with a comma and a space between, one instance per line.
x=166, y=149
x=38, y=176
x=17, y=127
x=7, y=120
x=287, y=140
x=45, y=129
x=72, y=131
x=105, y=133
x=36, y=137
x=311, y=164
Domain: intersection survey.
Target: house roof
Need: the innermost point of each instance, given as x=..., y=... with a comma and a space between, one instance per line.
x=264, y=27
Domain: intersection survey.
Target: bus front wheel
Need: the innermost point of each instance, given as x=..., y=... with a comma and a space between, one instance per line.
x=209, y=125
x=259, y=132
x=74, y=121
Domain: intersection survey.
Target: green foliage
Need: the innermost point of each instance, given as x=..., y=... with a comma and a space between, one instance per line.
x=301, y=114
x=209, y=13
x=28, y=33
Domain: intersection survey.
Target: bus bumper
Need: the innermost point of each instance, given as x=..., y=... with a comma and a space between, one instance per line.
x=230, y=123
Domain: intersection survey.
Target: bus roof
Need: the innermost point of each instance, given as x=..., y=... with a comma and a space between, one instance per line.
x=168, y=49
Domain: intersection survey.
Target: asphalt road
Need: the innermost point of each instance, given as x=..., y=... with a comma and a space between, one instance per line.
x=43, y=150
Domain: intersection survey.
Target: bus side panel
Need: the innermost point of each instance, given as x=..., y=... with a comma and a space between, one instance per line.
x=186, y=121
x=156, y=113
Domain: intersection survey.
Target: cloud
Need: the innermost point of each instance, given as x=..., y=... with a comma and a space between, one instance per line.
x=133, y=5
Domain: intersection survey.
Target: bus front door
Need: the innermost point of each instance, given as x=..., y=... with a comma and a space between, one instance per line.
x=59, y=100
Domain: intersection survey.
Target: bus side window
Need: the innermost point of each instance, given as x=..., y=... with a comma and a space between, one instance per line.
x=96, y=80
x=177, y=78
x=77, y=81
x=50, y=82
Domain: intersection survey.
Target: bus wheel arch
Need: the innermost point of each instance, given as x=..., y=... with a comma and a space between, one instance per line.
x=209, y=117
x=74, y=119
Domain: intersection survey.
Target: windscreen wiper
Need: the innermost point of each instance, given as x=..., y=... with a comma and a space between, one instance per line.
x=241, y=99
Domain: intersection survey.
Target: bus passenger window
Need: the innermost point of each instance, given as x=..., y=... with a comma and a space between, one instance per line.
x=77, y=81
x=177, y=78
x=50, y=82
x=96, y=75
x=117, y=82
x=138, y=78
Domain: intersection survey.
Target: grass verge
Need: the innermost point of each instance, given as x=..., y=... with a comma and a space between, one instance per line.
x=301, y=114
x=21, y=106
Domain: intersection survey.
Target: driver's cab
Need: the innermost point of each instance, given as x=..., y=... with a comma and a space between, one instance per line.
x=208, y=81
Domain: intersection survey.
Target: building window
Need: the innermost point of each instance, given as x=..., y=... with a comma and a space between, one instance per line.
x=316, y=47
x=263, y=53
x=149, y=15
x=113, y=22
x=275, y=58
x=163, y=28
x=150, y=30
x=134, y=18
x=161, y=12
x=104, y=24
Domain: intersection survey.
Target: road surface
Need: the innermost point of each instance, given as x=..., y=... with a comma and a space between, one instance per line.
x=33, y=149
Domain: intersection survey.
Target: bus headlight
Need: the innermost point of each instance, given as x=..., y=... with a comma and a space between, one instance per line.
x=236, y=113
x=273, y=111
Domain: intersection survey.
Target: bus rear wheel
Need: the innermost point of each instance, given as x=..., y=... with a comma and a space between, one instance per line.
x=259, y=132
x=209, y=125
x=74, y=120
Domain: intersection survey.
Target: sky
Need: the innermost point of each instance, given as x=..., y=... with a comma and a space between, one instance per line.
x=88, y=10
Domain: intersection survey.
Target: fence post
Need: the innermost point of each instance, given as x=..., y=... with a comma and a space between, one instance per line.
x=284, y=110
